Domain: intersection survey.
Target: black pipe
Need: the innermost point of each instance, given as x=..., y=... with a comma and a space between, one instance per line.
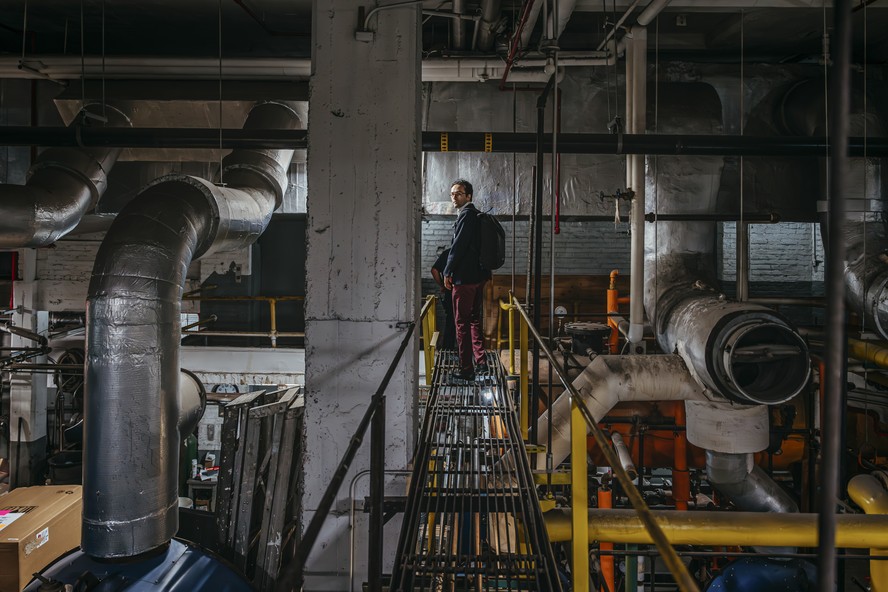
x=377, y=491
x=666, y=144
x=538, y=253
x=767, y=218
x=836, y=346
x=291, y=577
x=502, y=142
x=754, y=217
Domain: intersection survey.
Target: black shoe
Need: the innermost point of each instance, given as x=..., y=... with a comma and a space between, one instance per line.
x=482, y=369
x=460, y=376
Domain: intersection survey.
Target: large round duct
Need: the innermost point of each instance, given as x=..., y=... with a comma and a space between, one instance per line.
x=745, y=352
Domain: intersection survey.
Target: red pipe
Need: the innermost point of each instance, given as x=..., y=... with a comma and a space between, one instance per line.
x=681, y=481
x=513, y=49
x=606, y=502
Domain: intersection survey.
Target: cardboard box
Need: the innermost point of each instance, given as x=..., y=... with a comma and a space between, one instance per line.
x=37, y=525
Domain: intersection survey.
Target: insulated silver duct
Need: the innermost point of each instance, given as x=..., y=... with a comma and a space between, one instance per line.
x=458, y=31
x=746, y=484
x=742, y=351
x=490, y=16
x=133, y=414
x=750, y=489
x=609, y=380
x=63, y=184
x=802, y=113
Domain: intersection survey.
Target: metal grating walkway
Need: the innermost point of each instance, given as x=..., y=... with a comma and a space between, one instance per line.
x=472, y=520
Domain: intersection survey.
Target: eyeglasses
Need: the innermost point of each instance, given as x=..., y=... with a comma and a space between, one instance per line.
x=454, y=193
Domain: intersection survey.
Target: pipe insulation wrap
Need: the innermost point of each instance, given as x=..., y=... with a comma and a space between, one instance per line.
x=133, y=406
x=636, y=114
x=192, y=401
x=743, y=351
x=491, y=13
x=750, y=489
x=742, y=481
x=608, y=380
x=63, y=185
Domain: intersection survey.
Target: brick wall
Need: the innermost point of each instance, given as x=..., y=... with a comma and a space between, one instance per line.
x=785, y=252
x=582, y=248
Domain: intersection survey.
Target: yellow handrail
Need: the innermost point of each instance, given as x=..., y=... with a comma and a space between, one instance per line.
x=272, y=301
x=499, y=333
x=678, y=569
x=429, y=334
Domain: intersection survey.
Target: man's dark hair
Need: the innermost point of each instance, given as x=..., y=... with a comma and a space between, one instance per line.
x=466, y=185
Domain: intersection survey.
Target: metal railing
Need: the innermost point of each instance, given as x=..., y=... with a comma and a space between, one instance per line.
x=581, y=418
x=272, y=334
x=291, y=577
x=429, y=320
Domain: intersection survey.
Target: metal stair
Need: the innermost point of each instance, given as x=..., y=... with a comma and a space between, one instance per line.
x=472, y=520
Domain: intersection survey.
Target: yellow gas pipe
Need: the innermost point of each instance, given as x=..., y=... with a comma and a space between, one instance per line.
x=856, y=531
x=868, y=351
x=868, y=493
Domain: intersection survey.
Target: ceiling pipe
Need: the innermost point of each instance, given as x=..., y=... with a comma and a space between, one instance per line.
x=458, y=27
x=63, y=184
x=132, y=396
x=515, y=43
x=651, y=12
x=490, y=16
x=565, y=9
x=524, y=33
x=60, y=68
x=636, y=121
x=500, y=142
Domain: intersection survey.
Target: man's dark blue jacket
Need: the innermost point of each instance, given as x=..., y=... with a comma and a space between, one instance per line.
x=464, y=261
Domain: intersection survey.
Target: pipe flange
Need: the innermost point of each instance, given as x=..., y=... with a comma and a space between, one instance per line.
x=762, y=361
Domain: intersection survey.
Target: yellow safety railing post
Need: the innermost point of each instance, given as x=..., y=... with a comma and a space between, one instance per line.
x=677, y=568
x=511, y=339
x=272, y=311
x=523, y=382
x=579, y=486
x=428, y=335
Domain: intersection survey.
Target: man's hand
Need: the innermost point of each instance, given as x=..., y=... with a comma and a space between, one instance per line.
x=448, y=282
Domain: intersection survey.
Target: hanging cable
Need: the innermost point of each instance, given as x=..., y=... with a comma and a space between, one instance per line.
x=82, y=62
x=742, y=230
x=656, y=168
x=104, y=111
x=221, y=173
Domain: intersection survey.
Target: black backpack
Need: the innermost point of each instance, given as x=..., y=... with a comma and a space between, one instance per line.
x=492, y=254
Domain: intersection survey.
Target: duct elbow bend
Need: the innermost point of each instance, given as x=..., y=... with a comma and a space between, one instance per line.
x=745, y=484
x=636, y=332
x=192, y=401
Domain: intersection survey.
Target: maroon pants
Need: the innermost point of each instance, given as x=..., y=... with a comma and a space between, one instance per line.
x=467, y=301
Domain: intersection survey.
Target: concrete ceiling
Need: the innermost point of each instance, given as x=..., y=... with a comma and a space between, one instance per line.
x=773, y=31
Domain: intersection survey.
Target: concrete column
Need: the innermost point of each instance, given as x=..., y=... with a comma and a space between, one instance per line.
x=363, y=249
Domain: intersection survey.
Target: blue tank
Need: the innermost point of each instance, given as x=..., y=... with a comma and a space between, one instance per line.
x=181, y=567
x=763, y=574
